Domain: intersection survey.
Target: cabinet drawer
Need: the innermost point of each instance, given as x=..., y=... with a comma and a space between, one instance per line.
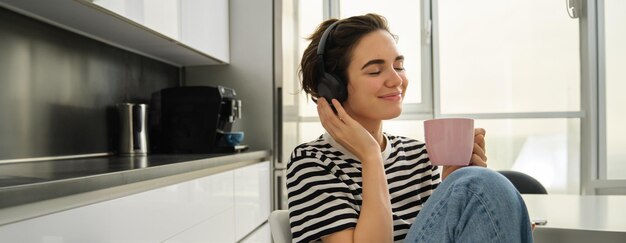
x=252, y=197
x=150, y=216
x=261, y=235
x=218, y=229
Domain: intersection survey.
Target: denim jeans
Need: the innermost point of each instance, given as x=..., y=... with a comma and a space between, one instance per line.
x=473, y=204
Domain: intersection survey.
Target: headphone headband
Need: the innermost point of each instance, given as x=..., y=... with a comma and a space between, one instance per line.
x=322, y=44
x=329, y=86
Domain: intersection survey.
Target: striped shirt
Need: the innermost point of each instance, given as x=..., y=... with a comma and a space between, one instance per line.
x=324, y=186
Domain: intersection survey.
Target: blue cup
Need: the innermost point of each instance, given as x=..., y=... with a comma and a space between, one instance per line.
x=233, y=138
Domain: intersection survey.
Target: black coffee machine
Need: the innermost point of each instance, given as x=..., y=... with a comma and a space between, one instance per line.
x=193, y=119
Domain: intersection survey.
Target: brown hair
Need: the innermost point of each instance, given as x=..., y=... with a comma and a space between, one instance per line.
x=338, y=48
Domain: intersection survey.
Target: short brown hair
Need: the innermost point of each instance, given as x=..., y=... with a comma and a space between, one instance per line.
x=338, y=48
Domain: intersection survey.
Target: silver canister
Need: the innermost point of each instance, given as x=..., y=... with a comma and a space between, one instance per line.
x=133, y=129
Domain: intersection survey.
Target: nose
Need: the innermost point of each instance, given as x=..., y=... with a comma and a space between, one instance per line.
x=394, y=79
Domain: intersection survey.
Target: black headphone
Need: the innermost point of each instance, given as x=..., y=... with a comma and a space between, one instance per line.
x=329, y=85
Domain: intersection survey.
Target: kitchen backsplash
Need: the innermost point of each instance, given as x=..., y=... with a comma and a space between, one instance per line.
x=58, y=89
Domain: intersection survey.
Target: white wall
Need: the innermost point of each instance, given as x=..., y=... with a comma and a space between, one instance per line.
x=250, y=71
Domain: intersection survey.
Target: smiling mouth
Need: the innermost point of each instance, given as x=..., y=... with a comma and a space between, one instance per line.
x=392, y=97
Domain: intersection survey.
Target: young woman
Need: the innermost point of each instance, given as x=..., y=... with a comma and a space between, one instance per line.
x=356, y=183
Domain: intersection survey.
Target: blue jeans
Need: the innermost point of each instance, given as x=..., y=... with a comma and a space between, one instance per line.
x=473, y=204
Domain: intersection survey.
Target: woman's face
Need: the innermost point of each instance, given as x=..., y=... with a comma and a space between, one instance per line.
x=376, y=78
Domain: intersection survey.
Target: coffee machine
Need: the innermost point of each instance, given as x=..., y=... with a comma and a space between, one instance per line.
x=194, y=119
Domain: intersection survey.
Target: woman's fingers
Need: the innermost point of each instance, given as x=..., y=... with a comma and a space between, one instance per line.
x=479, y=151
x=478, y=161
x=480, y=130
x=479, y=137
x=346, y=131
x=342, y=121
x=479, y=157
x=327, y=116
x=341, y=113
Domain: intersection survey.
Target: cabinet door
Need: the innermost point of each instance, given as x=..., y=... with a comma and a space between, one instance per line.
x=217, y=229
x=167, y=211
x=204, y=26
x=261, y=235
x=162, y=16
x=158, y=15
x=252, y=198
x=84, y=224
x=151, y=216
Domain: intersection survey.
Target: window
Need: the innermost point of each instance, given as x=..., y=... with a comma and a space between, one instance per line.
x=507, y=56
x=516, y=65
x=546, y=149
x=615, y=58
x=299, y=20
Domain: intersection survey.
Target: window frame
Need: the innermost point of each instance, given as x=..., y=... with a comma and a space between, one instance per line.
x=598, y=182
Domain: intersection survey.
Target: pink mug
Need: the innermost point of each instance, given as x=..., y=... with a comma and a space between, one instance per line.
x=449, y=141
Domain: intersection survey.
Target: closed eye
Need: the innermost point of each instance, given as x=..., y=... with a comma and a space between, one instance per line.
x=400, y=63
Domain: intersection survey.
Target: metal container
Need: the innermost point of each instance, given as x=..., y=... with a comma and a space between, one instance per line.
x=133, y=129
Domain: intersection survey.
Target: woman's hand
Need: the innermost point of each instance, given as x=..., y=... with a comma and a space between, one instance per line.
x=346, y=131
x=479, y=157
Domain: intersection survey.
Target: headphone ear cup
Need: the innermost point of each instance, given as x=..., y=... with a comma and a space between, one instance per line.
x=342, y=90
x=330, y=87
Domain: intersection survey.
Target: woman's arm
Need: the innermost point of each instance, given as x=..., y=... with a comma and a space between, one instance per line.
x=375, y=222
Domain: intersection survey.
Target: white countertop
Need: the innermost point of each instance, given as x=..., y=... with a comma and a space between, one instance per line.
x=88, y=184
x=600, y=213
x=578, y=218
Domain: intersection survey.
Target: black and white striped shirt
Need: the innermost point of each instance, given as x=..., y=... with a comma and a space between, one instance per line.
x=324, y=186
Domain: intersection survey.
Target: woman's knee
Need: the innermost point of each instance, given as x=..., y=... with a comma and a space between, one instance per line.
x=482, y=179
x=474, y=172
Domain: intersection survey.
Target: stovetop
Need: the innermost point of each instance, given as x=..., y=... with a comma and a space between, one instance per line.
x=22, y=173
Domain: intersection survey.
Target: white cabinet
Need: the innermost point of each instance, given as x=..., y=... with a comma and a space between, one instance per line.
x=159, y=15
x=162, y=16
x=150, y=216
x=199, y=24
x=208, y=33
x=261, y=235
x=180, y=32
x=217, y=229
x=222, y=207
x=250, y=210
x=132, y=10
x=252, y=198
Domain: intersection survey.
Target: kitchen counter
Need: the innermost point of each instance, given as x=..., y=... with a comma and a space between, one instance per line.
x=31, y=189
